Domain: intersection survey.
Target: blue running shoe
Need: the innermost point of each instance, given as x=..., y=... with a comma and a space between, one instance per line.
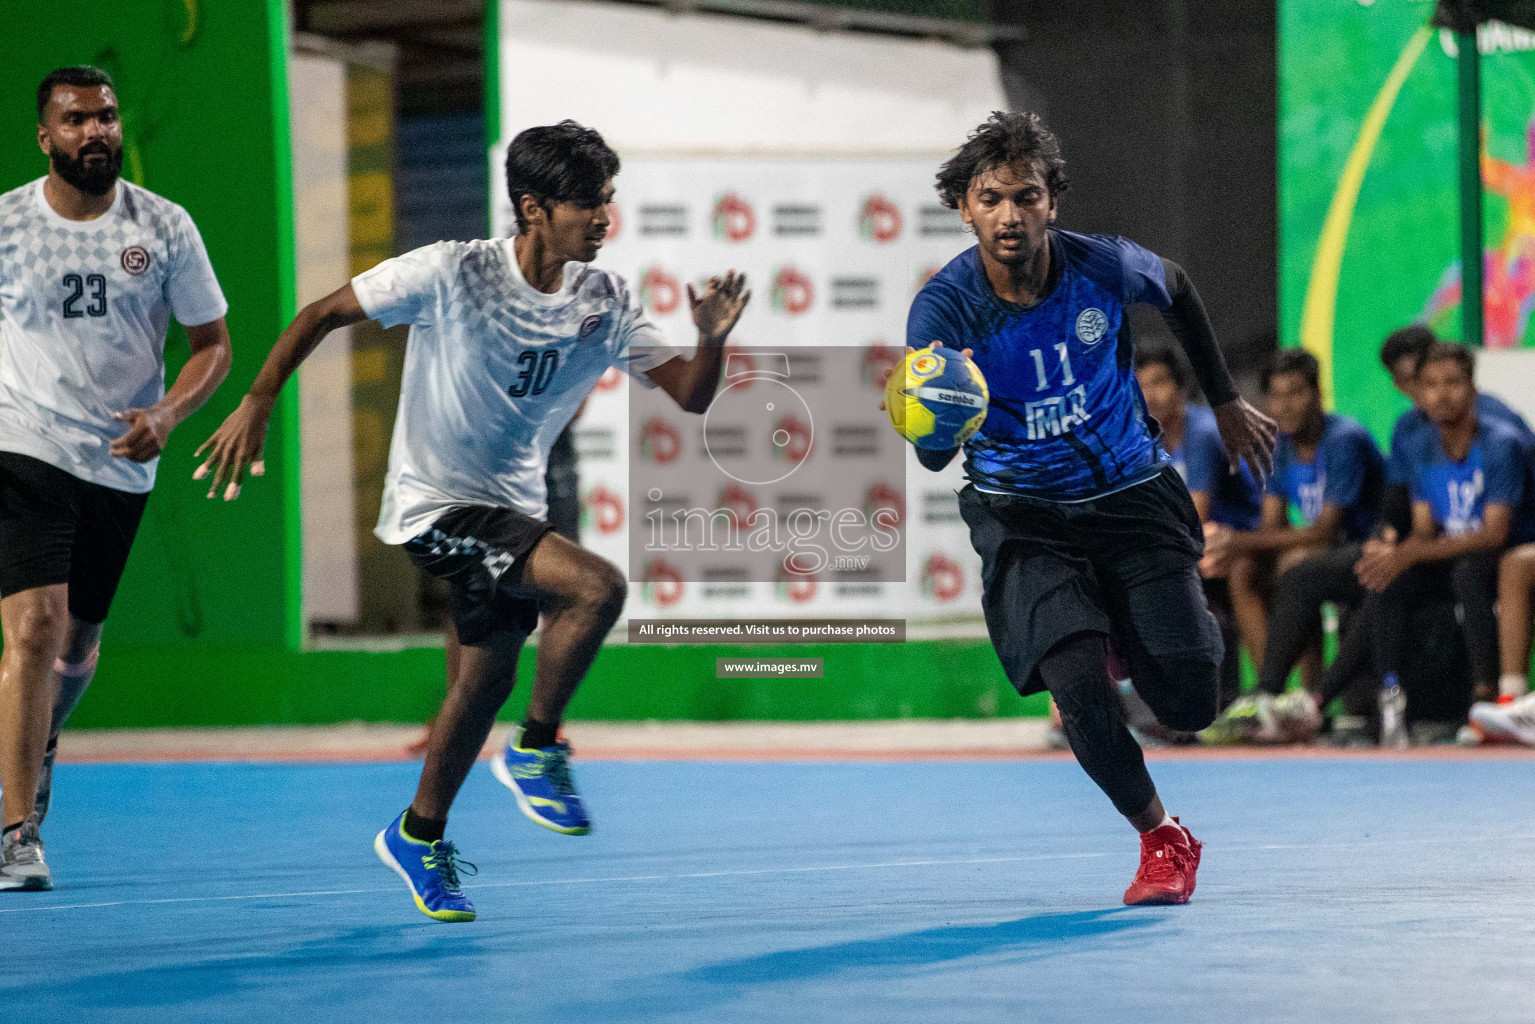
x=540, y=779
x=430, y=869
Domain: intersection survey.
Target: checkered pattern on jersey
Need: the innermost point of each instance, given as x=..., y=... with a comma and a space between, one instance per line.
x=29, y=239
x=484, y=294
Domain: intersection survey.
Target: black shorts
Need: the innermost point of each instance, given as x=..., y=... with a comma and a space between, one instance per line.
x=479, y=551
x=1125, y=565
x=56, y=528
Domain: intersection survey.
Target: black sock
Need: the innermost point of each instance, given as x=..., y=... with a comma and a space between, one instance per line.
x=428, y=830
x=537, y=734
x=11, y=828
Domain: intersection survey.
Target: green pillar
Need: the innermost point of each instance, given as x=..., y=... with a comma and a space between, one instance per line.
x=1468, y=65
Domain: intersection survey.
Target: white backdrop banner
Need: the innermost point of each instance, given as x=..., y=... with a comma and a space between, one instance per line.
x=834, y=252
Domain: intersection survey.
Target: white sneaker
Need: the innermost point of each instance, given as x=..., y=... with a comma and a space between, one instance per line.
x=21, y=859
x=1297, y=717
x=1514, y=721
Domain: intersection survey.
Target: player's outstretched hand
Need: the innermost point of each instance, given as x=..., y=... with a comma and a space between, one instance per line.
x=145, y=436
x=236, y=444
x=968, y=353
x=716, y=311
x=1248, y=434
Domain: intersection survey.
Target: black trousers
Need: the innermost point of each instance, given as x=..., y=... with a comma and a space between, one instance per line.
x=1295, y=611
x=1472, y=582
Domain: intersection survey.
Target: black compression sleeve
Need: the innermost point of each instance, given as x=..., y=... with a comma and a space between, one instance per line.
x=1187, y=319
x=1396, y=509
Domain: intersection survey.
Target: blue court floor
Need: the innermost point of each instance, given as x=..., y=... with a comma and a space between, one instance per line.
x=951, y=892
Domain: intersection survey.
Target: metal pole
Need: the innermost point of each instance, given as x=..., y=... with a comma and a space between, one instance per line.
x=1468, y=64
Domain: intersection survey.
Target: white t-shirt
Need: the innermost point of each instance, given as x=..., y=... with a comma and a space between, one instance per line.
x=85, y=305
x=494, y=370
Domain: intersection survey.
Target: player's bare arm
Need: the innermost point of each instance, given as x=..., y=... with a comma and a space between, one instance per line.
x=149, y=428
x=237, y=444
x=692, y=382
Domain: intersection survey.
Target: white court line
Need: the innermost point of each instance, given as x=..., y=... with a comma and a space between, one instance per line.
x=745, y=872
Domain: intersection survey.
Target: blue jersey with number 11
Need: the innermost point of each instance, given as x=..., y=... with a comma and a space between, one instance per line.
x=1067, y=421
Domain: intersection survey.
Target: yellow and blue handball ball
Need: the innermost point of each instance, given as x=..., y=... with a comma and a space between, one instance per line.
x=936, y=398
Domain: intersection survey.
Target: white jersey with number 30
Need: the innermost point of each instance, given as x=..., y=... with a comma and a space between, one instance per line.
x=85, y=305
x=494, y=370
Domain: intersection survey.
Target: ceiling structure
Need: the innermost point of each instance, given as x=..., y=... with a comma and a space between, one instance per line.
x=440, y=43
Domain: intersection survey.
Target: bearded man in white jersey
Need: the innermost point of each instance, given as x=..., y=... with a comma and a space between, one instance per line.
x=507, y=337
x=91, y=271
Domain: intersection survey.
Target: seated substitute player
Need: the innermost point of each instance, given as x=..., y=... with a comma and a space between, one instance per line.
x=1222, y=498
x=1471, y=498
x=91, y=271
x=1329, y=473
x=1084, y=529
x=507, y=337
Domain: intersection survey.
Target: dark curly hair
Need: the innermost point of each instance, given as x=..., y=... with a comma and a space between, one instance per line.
x=1293, y=360
x=1450, y=352
x=561, y=163
x=1005, y=138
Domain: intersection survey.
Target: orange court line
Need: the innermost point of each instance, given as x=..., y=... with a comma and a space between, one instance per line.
x=812, y=754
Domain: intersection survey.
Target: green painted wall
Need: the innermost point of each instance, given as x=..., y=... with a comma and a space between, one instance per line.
x=157, y=685
x=204, y=102
x=1401, y=243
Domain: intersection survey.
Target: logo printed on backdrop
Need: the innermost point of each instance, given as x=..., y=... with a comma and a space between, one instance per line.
x=882, y=495
x=664, y=219
x=662, y=583
x=611, y=378
x=938, y=221
x=135, y=259
x=925, y=275
x=880, y=219
x=797, y=220
x=660, y=441
x=879, y=361
x=734, y=219
x=793, y=439
x=942, y=578
x=615, y=223
x=659, y=291
x=792, y=291
x=796, y=588
x=602, y=509
x=739, y=502
x=855, y=293
x=1092, y=325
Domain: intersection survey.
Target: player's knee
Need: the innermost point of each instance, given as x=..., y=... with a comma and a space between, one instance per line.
x=1191, y=702
x=605, y=591
x=40, y=626
x=78, y=663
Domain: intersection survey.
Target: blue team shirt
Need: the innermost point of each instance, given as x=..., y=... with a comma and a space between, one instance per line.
x=1067, y=421
x=1235, y=499
x=1412, y=425
x=1347, y=471
x=1494, y=472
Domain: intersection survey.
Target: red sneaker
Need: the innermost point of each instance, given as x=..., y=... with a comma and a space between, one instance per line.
x=1169, y=859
